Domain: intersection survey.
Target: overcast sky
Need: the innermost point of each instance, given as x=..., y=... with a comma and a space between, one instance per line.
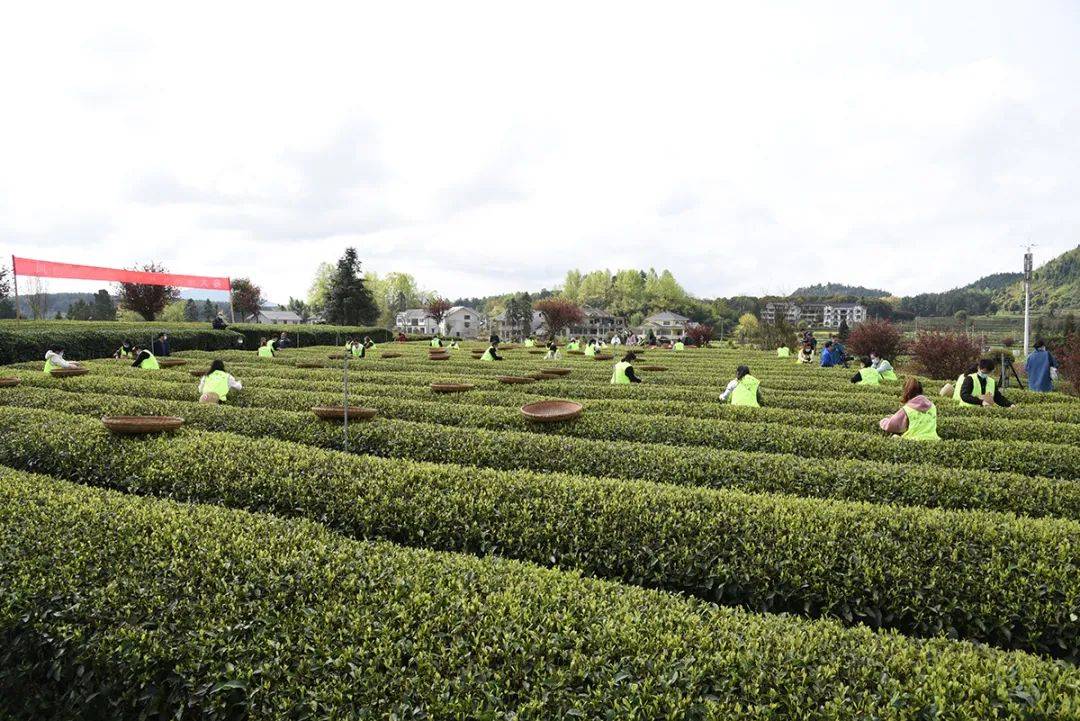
x=486, y=147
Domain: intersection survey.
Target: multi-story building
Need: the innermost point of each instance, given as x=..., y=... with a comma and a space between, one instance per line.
x=665, y=324
x=596, y=323
x=461, y=321
x=415, y=320
x=506, y=331
x=834, y=314
x=791, y=312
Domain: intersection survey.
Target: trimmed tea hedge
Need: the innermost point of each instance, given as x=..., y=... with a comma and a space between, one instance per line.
x=979, y=576
x=753, y=472
x=309, y=335
x=1035, y=459
x=121, y=607
x=83, y=340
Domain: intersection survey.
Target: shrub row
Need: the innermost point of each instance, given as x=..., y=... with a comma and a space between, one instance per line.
x=98, y=340
x=122, y=607
x=915, y=485
x=1032, y=459
x=979, y=576
x=309, y=335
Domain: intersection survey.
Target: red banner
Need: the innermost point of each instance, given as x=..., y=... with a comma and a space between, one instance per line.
x=48, y=269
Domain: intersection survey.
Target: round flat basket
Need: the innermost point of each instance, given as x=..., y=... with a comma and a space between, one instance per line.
x=575, y=352
x=309, y=364
x=653, y=368
x=337, y=413
x=551, y=411
x=135, y=425
x=451, y=387
x=171, y=362
x=199, y=373
x=512, y=380
x=537, y=352
x=602, y=357
x=389, y=355
x=556, y=371
x=445, y=356
x=541, y=376
x=8, y=382
x=336, y=356
x=66, y=372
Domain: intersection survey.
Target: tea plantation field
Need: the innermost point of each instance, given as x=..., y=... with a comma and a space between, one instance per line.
x=664, y=556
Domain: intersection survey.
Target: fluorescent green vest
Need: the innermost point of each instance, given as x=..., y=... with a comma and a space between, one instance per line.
x=889, y=375
x=487, y=355
x=529, y=343
x=990, y=386
x=745, y=394
x=359, y=351
x=957, y=387
x=783, y=352
x=573, y=345
x=266, y=350
x=869, y=377
x=590, y=350
x=436, y=343
x=679, y=345
x=217, y=382
x=49, y=366
x=150, y=363
x=619, y=374
x=922, y=425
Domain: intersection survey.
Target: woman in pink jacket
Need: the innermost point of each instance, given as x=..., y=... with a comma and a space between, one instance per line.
x=917, y=418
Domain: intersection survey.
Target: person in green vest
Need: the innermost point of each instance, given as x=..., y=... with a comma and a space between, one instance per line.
x=572, y=345
x=953, y=389
x=917, y=418
x=883, y=367
x=145, y=359
x=980, y=388
x=436, y=342
x=867, y=375
x=214, y=387
x=624, y=370
x=744, y=390
x=266, y=348
x=126, y=350
x=529, y=342
x=368, y=343
x=783, y=352
x=359, y=350
x=492, y=353
x=590, y=348
x=54, y=359
x=678, y=345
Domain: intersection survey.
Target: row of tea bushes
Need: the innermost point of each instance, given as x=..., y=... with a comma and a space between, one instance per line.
x=917, y=485
x=1033, y=459
x=979, y=576
x=218, y=614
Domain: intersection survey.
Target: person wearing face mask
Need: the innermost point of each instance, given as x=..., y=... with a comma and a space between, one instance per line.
x=883, y=367
x=979, y=389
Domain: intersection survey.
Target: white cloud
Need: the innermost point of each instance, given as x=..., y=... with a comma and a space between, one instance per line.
x=490, y=146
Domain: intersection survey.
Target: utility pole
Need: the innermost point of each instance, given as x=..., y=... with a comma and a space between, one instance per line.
x=1027, y=299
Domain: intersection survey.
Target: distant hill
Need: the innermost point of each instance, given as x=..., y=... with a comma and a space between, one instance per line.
x=996, y=281
x=825, y=290
x=1054, y=286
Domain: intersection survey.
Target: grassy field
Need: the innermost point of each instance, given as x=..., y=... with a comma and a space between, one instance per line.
x=663, y=556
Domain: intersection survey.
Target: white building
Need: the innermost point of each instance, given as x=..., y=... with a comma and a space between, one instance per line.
x=462, y=321
x=665, y=324
x=275, y=317
x=834, y=314
x=415, y=320
x=506, y=331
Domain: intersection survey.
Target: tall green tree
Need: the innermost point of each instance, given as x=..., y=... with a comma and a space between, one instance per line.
x=319, y=290
x=596, y=289
x=572, y=285
x=519, y=310
x=349, y=301
x=191, y=311
x=209, y=310
x=80, y=310
x=298, y=306
x=103, y=306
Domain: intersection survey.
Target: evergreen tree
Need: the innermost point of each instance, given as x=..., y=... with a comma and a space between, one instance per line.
x=209, y=310
x=103, y=307
x=191, y=311
x=349, y=301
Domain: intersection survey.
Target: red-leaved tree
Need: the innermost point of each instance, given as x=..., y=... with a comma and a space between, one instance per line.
x=437, y=308
x=147, y=300
x=559, y=314
x=699, y=334
x=944, y=355
x=1068, y=358
x=246, y=297
x=876, y=336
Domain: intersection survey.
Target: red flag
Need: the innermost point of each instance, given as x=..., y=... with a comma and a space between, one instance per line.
x=49, y=269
